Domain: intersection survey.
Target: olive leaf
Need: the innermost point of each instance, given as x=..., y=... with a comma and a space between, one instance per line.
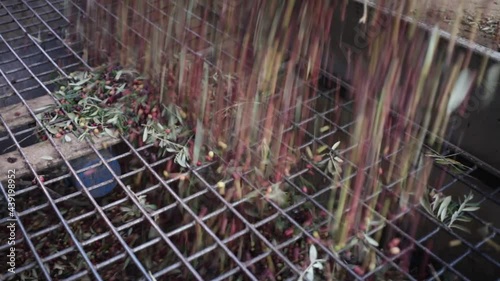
x=52, y=129
x=277, y=195
x=118, y=75
x=442, y=160
x=370, y=240
x=443, y=208
x=182, y=157
x=313, y=254
x=145, y=134
x=448, y=211
x=110, y=132
x=314, y=262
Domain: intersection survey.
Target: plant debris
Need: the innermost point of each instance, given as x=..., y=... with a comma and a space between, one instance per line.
x=456, y=167
x=113, y=101
x=449, y=212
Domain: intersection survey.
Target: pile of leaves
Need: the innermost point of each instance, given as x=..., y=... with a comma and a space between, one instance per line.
x=113, y=101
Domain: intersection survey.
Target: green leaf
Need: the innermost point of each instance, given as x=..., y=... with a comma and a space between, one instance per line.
x=330, y=168
x=79, y=83
x=318, y=265
x=182, y=157
x=443, y=208
x=52, y=129
x=118, y=75
x=277, y=194
x=464, y=229
x=470, y=209
x=113, y=120
x=351, y=243
x=110, y=132
x=145, y=134
x=121, y=88
x=370, y=240
x=313, y=254
x=424, y=201
x=54, y=118
x=463, y=219
x=436, y=200
x=310, y=274
x=44, y=108
x=79, y=75
x=309, y=153
x=335, y=145
x=71, y=115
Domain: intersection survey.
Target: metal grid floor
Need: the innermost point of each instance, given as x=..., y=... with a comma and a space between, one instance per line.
x=55, y=240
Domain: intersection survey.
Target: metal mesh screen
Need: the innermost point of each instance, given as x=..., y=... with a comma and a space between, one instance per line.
x=184, y=228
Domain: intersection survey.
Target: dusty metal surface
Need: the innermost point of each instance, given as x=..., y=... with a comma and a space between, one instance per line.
x=483, y=15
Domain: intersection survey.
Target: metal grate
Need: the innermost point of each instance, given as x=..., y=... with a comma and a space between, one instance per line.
x=73, y=236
